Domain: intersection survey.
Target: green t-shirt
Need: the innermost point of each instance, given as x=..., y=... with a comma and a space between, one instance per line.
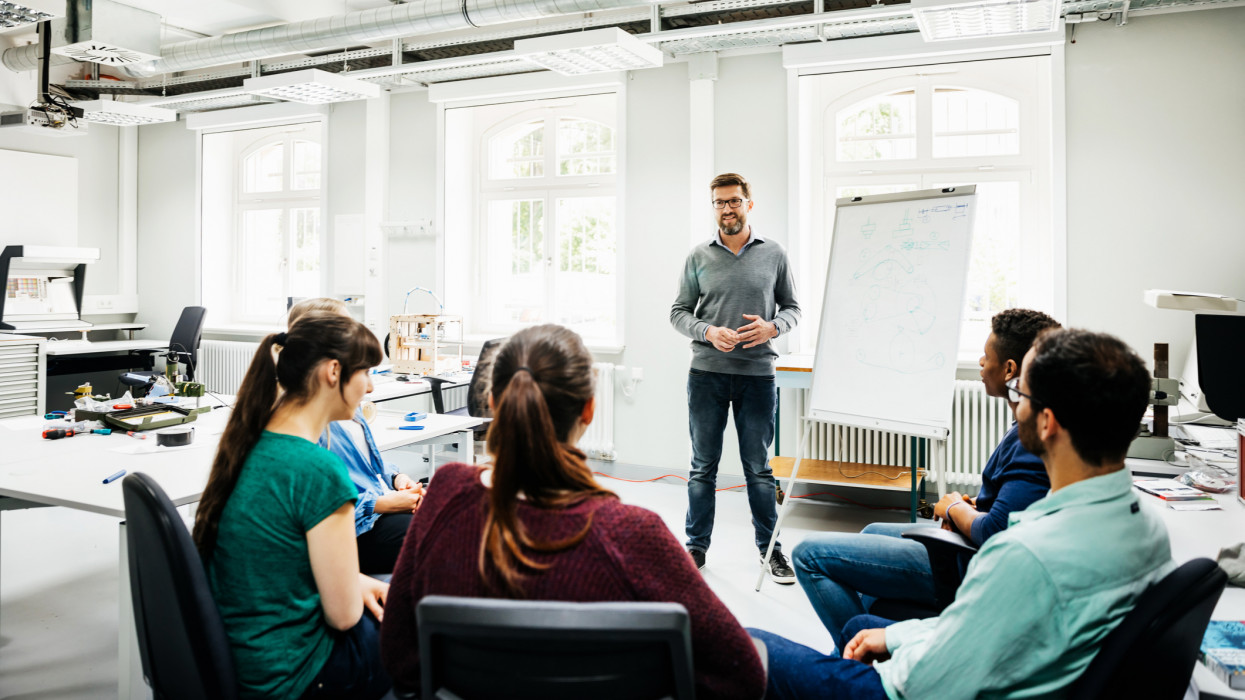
x=260, y=572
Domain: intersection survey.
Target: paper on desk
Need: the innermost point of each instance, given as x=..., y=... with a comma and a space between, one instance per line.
x=1194, y=505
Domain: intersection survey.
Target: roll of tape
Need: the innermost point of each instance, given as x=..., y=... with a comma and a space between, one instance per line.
x=369, y=411
x=175, y=437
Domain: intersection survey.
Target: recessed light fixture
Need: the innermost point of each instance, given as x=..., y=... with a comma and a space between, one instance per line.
x=592, y=51
x=945, y=20
x=123, y=113
x=28, y=12
x=311, y=86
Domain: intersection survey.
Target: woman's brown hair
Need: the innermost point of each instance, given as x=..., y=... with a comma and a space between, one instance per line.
x=542, y=379
x=287, y=359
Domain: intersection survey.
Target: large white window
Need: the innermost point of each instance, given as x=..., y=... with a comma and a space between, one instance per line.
x=532, y=216
x=986, y=123
x=263, y=192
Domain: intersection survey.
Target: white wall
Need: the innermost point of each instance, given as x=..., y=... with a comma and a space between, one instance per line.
x=1156, y=170
x=168, y=246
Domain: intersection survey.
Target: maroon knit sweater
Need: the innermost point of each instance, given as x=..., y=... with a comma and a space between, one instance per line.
x=629, y=554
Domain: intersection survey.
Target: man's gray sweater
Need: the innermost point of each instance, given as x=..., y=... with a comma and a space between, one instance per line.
x=718, y=288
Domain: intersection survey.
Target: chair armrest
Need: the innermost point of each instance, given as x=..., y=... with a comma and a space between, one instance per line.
x=438, y=403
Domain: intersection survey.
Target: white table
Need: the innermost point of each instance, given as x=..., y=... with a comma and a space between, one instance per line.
x=86, y=347
x=53, y=328
x=69, y=472
x=1196, y=534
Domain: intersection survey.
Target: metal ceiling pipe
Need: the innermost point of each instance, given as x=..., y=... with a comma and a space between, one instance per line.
x=327, y=33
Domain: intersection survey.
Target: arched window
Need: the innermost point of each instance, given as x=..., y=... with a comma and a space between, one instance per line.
x=545, y=248
x=985, y=123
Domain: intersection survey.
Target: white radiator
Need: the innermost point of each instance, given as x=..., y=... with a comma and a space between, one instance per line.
x=598, y=439
x=223, y=364
x=978, y=423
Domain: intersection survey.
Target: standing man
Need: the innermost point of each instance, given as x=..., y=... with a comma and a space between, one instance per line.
x=736, y=296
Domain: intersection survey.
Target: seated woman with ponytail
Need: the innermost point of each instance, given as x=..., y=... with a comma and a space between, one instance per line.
x=537, y=526
x=275, y=525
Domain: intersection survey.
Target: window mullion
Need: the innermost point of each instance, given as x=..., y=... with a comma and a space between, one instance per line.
x=924, y=121
x=551, y=262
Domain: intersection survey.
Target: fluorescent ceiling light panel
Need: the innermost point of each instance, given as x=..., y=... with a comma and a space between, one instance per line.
x=311, y=86
x=945, y=20
x=28, y=12
x=593, y=51
x=123, y=113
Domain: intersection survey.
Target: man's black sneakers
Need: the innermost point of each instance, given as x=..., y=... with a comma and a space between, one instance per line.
x=698, y=558
x=779, y=569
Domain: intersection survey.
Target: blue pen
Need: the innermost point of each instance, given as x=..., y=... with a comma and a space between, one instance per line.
x=114, y=477
x=406, y=427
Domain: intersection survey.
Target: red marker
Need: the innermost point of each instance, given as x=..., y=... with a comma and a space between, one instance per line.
x=140, y=436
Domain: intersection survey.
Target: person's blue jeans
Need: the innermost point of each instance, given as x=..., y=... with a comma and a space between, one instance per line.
x=796, y=672
x=753, y=400
x=354, y=669
x=843, y=573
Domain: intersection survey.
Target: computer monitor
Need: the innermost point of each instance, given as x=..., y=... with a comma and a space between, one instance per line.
x=1221, y=363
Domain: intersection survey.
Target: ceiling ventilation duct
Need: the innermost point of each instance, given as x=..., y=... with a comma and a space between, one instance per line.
x=28, y=12
x=332, y=33
x=102, y=31
x=593, y=51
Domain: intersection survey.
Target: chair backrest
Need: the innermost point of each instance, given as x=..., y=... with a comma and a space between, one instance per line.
x=181, y=638
x=186, y=336
x=490, y=648
x=481, y=379
x=1152, y=652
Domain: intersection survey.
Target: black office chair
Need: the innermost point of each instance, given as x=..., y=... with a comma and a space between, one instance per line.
x=1152, y=652
x=183, y=348
x=477, y=390
x=181, y=639
x=473, y=648
x=949, y=553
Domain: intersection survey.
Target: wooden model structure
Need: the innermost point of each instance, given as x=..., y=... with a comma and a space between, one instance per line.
x=425, y=344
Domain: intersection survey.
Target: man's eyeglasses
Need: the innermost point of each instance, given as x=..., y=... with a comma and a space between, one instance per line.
x=733, y=203
x=1014, y=394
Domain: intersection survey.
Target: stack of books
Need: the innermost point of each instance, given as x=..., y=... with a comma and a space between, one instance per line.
x=1177, y=495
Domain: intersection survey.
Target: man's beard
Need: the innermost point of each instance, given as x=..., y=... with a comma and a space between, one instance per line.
x=1027, y=431
x=732, y=228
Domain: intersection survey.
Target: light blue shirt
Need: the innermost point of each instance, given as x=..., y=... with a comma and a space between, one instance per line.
x=371, y=476
x=1037, y=600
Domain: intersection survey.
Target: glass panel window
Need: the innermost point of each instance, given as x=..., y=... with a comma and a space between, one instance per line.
x=585, y=147
x=518, y=152
x=974, y=123
x=305, y=252
x=516, y=257
x=263, y=170
x=879, y=128
x=263, y=262
x=585, y=284
x=306, y=166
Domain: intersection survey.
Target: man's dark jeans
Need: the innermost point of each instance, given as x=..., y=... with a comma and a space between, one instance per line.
x=752, y=400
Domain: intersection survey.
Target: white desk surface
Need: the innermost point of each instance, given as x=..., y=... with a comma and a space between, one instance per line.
x=81, y=329
x=69, y=472
x=1196, y=534
x=83, y=347
x=386, y=388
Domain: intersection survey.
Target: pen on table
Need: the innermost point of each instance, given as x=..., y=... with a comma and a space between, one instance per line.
x=140, y=436
x=114, y=477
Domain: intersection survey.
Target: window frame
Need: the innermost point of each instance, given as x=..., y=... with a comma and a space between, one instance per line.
x=472, y=295
x=288, y=200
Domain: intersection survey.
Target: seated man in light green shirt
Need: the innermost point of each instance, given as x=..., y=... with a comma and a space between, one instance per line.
x=1040, y=597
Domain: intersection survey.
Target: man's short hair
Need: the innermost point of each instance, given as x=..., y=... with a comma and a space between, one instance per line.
x=730, y=180
x=1095, y=385
x=1016, y=329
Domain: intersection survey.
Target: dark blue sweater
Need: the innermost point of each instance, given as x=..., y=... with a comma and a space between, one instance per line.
x=1012, y=479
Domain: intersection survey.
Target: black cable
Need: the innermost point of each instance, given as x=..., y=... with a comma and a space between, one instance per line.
x=467, y=16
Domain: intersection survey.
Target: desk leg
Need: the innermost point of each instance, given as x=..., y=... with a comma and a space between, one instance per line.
x=466, y=446
x=130, y=683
